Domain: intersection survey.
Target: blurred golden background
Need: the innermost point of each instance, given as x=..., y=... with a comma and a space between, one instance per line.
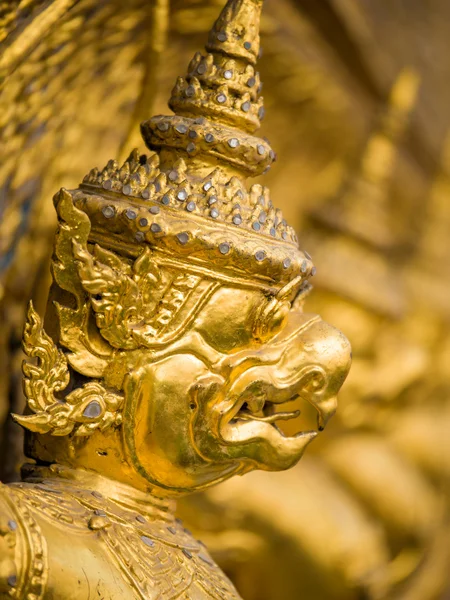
x=357, y=99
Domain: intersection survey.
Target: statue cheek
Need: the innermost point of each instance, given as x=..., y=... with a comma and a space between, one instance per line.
x=160, y=406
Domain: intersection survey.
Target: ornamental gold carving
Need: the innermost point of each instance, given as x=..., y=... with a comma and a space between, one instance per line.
x=174, y=337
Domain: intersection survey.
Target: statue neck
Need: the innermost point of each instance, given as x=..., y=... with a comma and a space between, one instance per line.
x=61, y=478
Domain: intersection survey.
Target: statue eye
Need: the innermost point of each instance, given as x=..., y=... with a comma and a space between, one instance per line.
x=271, y=319
x=317, y=382
x=301, y=294
x=279, y=317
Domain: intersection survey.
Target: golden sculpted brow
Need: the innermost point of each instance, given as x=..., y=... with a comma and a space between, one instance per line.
x=173, y=339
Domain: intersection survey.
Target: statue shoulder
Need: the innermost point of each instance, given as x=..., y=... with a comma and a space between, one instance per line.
x=23, y=553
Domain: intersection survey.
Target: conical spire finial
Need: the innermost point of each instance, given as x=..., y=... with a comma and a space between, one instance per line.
x=378, y=159
x=434, y=245
x=361, y=208
x=221, y=91
x=355, y=226
x=236, y=31
x=429, y=270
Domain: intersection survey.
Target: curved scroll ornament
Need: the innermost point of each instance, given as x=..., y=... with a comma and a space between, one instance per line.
x=142, y=304
x=82, y=412
x=121, y=296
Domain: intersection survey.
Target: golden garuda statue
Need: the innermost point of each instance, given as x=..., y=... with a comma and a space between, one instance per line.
x=174, y=335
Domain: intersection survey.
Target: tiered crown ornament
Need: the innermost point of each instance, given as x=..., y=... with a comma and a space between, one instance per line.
x=189, y=197
x=356, y=226
x=361, y=207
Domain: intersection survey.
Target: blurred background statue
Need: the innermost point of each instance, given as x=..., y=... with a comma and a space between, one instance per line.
x=361, y=123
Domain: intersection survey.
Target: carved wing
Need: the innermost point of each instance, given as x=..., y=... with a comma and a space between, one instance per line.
x=88, y=355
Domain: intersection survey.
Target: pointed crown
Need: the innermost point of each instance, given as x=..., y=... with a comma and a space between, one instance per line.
x=361, y=207
x=189, y=198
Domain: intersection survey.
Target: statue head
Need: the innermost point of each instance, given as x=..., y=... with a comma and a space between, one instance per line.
x=175, y=331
